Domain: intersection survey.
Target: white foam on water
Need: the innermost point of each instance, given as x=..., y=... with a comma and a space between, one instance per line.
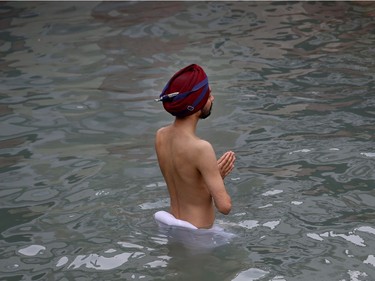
x=110, y=251
x=355, y=274
x=370, y=260
x=367, y=229
x=272, y=192
x=348, y=254
x=249, y=224
x=130, y=245
x=250, y=275
x=368, y=154
x=314, y=236
x=32, y=250
x=278, y=278
x=62, y=261
x=355, y=239
x=305, y=150
x=271, y=224
x=239, y=214
x=102, y=193
x=139, y=277
x=265, y=206
x=160, y=240
x=296, y=203
x=156, y=184
x=163, y=262
x=95, y=261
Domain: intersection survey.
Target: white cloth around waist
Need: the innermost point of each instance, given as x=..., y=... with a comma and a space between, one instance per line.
x=189, y=235
x=168, y=219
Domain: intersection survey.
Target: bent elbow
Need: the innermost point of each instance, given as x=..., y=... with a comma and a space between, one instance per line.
x=225, y=208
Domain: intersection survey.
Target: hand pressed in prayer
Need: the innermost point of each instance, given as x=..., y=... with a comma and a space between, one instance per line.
x=226, y=163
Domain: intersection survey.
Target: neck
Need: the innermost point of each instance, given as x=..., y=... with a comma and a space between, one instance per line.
x=188, y=123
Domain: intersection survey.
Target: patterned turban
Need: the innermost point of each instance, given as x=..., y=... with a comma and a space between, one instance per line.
x=186, y=92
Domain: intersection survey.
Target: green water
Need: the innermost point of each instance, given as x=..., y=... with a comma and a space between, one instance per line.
x=294, y=98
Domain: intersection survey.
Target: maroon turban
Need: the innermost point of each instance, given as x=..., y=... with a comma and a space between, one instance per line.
x=187, y=92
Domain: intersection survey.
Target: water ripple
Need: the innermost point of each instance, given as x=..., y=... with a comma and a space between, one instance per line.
x=293, y=84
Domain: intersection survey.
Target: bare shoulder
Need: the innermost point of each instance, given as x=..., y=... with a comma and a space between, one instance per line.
x=160, y=138
x=160, y=133
x=161, y=130
x=203, y=145
x=205, y=150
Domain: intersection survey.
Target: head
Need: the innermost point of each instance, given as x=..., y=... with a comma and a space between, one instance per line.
x=187, y=93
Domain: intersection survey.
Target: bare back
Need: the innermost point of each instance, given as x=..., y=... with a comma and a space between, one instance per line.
x=189, y=167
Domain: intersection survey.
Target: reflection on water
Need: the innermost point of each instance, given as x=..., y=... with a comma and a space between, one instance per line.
x=294, y=85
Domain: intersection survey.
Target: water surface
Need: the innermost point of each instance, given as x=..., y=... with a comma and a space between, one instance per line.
x=293, y=85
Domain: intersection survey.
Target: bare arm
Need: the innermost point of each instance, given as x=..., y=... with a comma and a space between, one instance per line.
x=209, y=169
